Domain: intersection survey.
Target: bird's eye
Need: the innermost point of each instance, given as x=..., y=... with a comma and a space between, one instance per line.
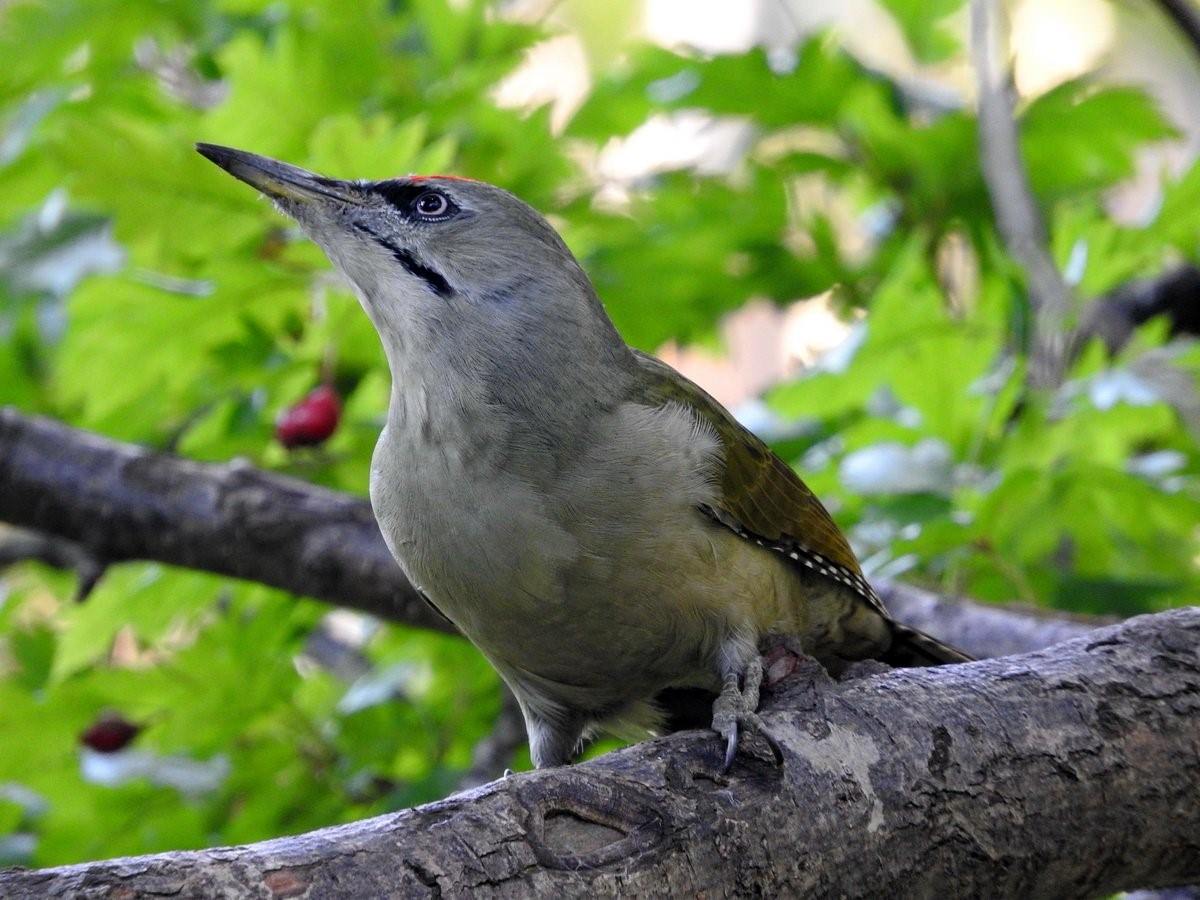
x=431, y=205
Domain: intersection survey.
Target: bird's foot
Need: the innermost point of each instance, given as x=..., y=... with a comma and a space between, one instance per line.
x=737, y=708
x=784, y=656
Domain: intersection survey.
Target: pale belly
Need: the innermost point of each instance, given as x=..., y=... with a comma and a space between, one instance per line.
x=597, y=602
x=577, y=617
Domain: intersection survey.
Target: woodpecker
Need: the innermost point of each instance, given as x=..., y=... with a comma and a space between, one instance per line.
x=603, y=530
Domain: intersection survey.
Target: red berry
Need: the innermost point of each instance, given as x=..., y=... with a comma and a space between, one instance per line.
x=109, y=733
x=311, y=421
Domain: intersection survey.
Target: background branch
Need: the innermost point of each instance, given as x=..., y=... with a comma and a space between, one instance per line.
x=1025, y=787
x=1017, y=215
x=21, y=545
x=980, y=629
x=1114, y=317
x=122, y=502
x=1185, y=16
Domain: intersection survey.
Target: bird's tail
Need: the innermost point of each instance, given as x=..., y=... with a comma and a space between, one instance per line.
x=911, y=647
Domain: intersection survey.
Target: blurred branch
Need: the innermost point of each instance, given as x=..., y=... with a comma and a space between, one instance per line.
x=980, y=629
x=119, y=502
x=1067, y=772
x=494, y=753
x=1017, y=215
x=1186, y=16
x=1173, y=295
x=1114, y=317
x=22, y=545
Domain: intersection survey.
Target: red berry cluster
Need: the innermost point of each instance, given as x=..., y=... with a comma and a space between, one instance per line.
x=311, y=421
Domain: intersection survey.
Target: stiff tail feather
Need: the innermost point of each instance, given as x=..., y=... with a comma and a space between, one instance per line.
x=911, y=648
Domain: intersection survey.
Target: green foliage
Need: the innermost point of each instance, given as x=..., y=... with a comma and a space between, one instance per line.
x=923, y=26
x=1069, y=143
x=147, y=297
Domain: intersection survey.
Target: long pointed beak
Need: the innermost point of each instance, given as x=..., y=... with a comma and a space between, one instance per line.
x=277, y=179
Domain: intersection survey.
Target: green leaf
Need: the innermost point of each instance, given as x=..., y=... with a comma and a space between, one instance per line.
x=922, y=22
x=1072, y=144
x=705, y=246
x=33, y=651
x=919, y=352
x=812, y=92
x=148, y=599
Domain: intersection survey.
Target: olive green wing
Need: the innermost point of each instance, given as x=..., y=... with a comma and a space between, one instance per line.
x=761, y=498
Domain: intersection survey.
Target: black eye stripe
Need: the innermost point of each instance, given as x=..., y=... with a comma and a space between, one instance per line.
x=433, y=279
x=406, y=195
x=400, y=194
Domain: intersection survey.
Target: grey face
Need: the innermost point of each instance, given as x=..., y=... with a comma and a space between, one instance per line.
x=406, y=219
x=449, y=266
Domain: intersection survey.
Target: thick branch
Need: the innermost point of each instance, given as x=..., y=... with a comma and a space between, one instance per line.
x=123, y=502
x=1017, y=215
x=979, y=629
x=1070, y=772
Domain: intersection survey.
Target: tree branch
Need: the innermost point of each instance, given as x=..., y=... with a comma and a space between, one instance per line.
x=980, y=629
x=1114, y=317
x=1072, y=771
x=21, y=545
x=1017, y=215
x=121, y=502
x=1186, y=18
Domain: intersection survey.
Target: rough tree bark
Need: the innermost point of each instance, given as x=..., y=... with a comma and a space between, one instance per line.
x=122, y=502
x=1069, y=772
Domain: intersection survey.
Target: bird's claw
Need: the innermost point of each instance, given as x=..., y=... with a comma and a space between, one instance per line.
x=736, y=708
x=731, y=745
x=732, y=734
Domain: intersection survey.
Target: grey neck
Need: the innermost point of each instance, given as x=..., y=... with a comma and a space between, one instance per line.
x=499, y=387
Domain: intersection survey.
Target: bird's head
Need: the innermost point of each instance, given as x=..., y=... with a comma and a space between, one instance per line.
x=437, y=255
